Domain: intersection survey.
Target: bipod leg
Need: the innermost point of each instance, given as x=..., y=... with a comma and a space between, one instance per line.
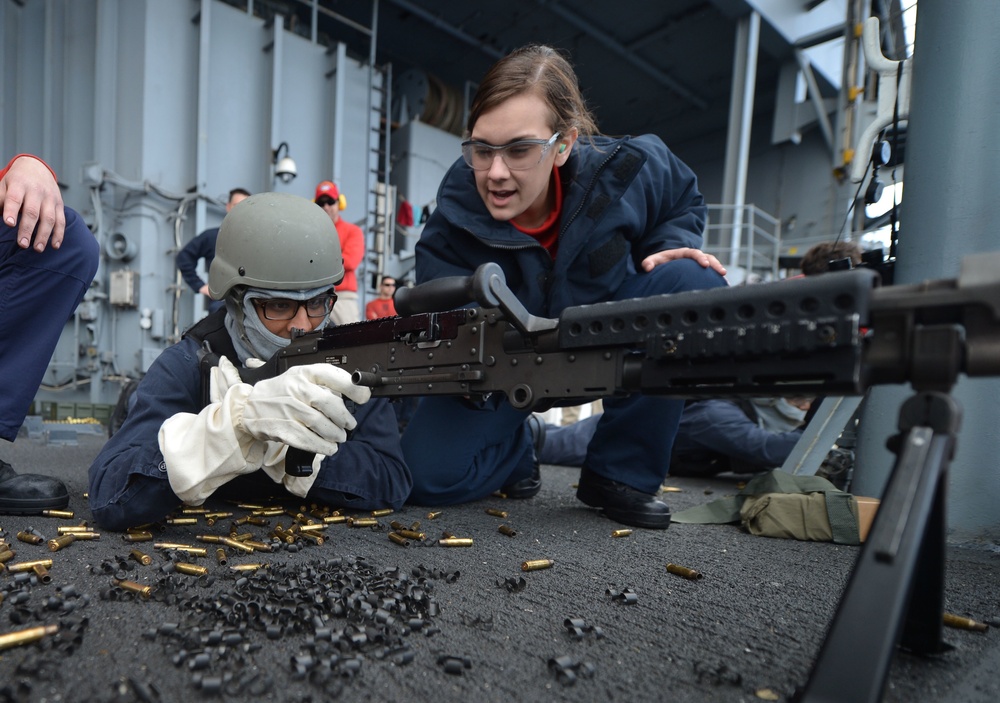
x=896, y=590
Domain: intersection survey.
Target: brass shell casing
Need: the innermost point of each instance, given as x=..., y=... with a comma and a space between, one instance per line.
x=362, y=522
x=248, y=567
x=962, y=623
x=455, y=542
x=28, y=565
x=684, y=571
x=141, y=557
x=536, y=564
x=32, y=634
x=30, y=538
x=507, y=530
x=58, y=513
x=399, y=539
x=190, y=569
x=59, y=542
x=143, y=592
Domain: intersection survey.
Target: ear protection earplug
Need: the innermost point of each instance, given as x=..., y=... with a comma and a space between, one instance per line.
x=562, y=148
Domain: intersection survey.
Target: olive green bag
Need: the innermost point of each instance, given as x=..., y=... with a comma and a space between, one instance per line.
x=778, y=504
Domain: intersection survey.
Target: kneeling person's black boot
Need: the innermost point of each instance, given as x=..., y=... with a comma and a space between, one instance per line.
x=622, y=503
x=27, y=494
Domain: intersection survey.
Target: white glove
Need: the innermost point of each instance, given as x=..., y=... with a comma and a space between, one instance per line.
x=246, y=428
x=303, y=408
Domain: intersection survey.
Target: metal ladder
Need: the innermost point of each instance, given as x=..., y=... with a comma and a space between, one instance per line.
x=380, y=196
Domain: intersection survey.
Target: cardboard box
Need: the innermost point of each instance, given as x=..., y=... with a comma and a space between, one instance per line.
x=866, y=509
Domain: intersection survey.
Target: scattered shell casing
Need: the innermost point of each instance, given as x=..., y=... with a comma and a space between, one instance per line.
x=447, y=535
x=66, y=529
x=186, y=548
x=252, y=506
x=58, y=513
x=248, y=567
x=412, y=534
x=30, y=538
x=399, y=539
x=141, y=536
x=963, y=623
x=455, y=542
x=235, y=544
x=28, y=565
x=190, y=569
x=671, y=489
x=621, y=533
x=62, y=541
x=284, y=535
x=182, y=521
x=241, y=537
x=211, y=539
x=397, y=525
x=507, y=530
x=382, y=512
x=31, y=634
x=496, y=512
x=194, y=510
x=6, y=555
x=271, y=512
x=313, y=527
x=362, y=522
x=334, y=519
x=684, y=571
x=141, y=557
x=143, y=592
x=42, y=573
x=257, y=546
x=85, y=535
x=434, y=514
x=220, y=556
x=536, y=564
x=315, y=539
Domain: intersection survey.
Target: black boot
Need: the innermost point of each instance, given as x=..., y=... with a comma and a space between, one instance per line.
x=27, y=494
x=622, y=503
x=529, y=487
x=526, y=487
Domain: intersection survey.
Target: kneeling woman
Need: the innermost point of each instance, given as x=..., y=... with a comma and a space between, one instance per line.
x=277, y=260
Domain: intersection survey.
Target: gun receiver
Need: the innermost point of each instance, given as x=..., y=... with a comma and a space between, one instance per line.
x=799, y=337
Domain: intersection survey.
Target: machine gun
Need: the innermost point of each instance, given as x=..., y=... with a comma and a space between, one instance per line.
x=835, y=334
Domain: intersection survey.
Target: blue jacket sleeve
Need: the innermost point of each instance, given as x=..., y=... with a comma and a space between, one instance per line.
x=201, y=247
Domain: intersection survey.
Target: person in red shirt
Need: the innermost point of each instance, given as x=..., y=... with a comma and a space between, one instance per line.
x=382, y=306
x=352, y=245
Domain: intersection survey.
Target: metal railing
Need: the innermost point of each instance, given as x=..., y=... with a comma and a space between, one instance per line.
x=744, y=236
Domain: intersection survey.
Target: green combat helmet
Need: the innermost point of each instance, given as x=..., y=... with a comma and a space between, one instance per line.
x=275, y=241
